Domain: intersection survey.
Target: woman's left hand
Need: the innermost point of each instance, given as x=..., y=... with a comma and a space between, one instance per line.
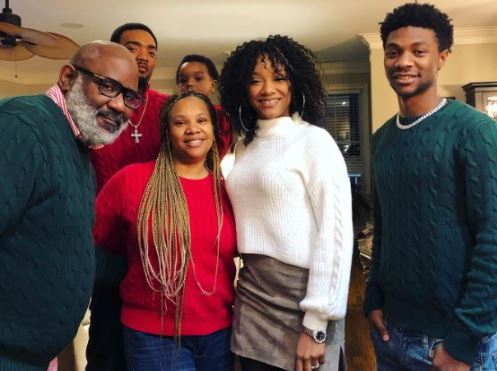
x=309, y=354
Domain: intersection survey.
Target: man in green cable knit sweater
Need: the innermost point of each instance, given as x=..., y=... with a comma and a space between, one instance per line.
x=432, y=289
x=46, y=200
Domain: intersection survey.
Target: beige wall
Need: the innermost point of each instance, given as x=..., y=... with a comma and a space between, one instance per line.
x=467, y=63
x=383, y=99
x=164, y=85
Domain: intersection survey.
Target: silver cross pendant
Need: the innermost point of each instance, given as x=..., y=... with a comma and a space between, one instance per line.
x=136, y=136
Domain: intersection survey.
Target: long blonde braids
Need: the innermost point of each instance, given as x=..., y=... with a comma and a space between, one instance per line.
x=164, y=210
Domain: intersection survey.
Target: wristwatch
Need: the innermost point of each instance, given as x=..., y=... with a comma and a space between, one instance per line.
x=319, y=336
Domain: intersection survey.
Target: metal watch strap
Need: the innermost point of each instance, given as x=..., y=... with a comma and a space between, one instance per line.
x=319, y=336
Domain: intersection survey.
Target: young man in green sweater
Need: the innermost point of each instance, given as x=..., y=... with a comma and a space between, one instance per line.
x=46, y=200
x=432, y=290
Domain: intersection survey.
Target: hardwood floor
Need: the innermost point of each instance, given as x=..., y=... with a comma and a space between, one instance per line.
x=358, y=348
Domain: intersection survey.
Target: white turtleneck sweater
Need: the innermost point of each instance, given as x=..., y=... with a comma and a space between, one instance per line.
x=291, y=197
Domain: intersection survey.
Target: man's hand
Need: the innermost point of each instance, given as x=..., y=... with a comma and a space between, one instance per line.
x=309, y=353
x=442, y=361
x=376, y=319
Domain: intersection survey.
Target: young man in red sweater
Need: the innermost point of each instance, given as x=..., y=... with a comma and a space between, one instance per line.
x=140, y=142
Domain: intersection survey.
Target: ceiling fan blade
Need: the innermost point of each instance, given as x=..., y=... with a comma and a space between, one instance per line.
x=63, y=48
x=16, y=53
x=28, y=34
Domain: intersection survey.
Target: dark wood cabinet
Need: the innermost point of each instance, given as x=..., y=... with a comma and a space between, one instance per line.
x=482, y=96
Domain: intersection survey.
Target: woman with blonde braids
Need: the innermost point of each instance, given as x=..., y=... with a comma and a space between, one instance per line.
x=177, y=226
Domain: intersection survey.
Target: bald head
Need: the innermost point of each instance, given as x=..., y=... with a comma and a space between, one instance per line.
x=95, y=50
x=100, y=86
x=100, y=55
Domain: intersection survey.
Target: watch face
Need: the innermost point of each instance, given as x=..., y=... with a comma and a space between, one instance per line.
x=320, y=336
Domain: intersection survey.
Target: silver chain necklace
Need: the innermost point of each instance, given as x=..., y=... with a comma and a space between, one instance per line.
x=425, y=116
x=136, y=135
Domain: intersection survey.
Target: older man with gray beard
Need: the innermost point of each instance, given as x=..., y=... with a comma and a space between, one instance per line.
x=46, y=200
x=86, y=115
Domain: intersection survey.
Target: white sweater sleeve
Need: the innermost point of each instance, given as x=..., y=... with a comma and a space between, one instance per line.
x=328, y=187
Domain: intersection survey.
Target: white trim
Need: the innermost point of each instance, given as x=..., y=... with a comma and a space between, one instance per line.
x=462, y=36
x=372, y=40
x=475, y=35
x=339, y=68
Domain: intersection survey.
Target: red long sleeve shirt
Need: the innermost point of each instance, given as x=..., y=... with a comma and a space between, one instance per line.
x=115, y=229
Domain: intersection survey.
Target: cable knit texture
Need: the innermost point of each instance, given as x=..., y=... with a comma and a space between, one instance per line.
x=291, y=197
x=434, y=263
x=46, y=248
x=115, y=230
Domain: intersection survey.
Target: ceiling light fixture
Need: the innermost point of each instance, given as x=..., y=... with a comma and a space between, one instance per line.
x=18, y=43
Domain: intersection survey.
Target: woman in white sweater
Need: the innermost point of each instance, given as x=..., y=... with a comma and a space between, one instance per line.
x=291, y=198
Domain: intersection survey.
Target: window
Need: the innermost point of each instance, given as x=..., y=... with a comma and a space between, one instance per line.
x=342, y=122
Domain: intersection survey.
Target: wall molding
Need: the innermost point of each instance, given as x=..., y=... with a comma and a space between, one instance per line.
x=350, y=67
x=462, y=36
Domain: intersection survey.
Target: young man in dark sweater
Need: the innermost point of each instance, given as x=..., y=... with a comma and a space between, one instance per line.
x=432, y=292
x=46, y=200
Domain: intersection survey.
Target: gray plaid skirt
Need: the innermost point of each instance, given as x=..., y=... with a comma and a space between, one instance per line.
x=267, y=318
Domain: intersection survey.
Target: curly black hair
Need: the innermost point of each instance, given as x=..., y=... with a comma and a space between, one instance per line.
x=420, y=15
x=207, y=62
x=300, y=65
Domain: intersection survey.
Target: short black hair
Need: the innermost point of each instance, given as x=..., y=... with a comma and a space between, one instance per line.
x=420, y=15
x=118, y=32
x=300, y=65
x=207, y=62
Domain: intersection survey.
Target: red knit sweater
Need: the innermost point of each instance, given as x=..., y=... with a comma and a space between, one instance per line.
x=115, y=229
x=225, y=132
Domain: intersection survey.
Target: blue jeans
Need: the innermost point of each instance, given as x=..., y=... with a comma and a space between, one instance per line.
x=146, y=352
x=411, y=351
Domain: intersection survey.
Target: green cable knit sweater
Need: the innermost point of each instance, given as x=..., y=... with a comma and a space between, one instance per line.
x=434, y=265
x=46, y=247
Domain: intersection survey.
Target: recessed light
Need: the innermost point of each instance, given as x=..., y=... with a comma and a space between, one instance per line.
x=71, y=25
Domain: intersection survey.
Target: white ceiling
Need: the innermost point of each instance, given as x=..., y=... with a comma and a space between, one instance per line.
x=212, y=27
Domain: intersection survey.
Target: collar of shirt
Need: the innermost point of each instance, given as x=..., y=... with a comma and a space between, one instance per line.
x=56, y=94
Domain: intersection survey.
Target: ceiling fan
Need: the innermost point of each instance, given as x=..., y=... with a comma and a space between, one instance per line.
x=18, y=43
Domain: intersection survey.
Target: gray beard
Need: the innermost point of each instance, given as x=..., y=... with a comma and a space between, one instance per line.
x=85, y=116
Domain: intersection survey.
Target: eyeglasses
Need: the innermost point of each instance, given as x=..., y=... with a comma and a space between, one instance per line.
x=111, y=88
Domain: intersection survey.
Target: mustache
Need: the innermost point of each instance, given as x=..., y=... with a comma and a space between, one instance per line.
x=118, y=118
x=398, y=69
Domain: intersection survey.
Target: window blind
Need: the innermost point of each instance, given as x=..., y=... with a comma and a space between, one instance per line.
x=343, y=123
